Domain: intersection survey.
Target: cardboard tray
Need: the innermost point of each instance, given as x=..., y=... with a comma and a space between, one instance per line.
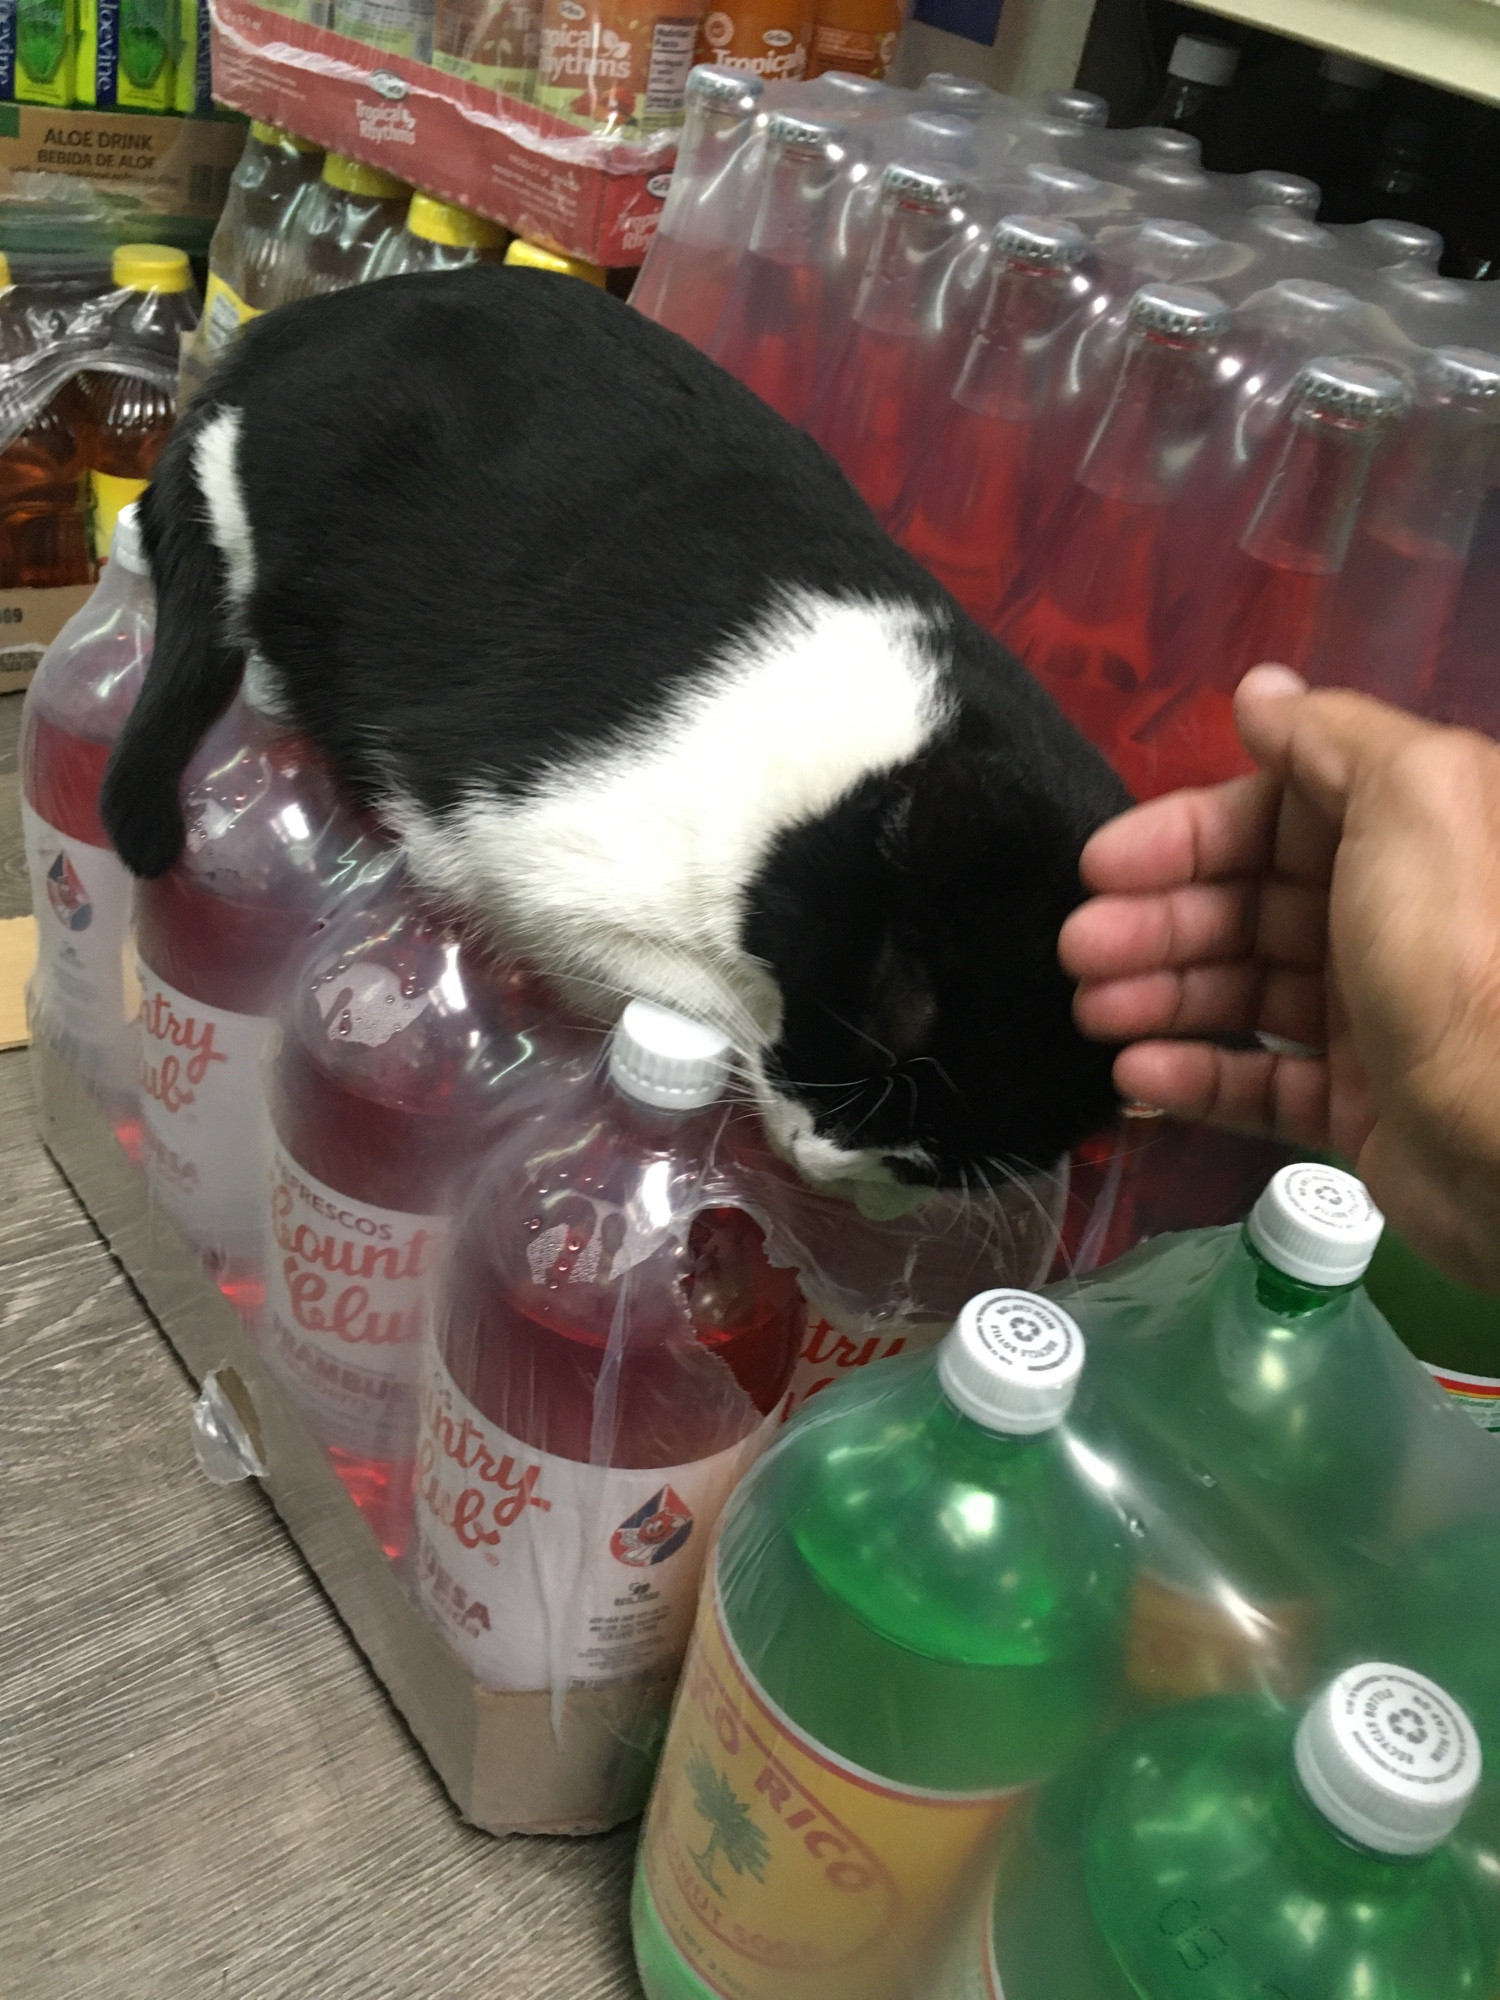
x=504, y=1765
x=516, y=164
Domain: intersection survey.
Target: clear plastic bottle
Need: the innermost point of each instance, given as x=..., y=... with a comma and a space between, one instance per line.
x=1239, y=1376
x=1453, y=1331
x=768, y=332
x=1339, y=143
x=1393, y=601
x=710, y=206
x=967, y=509
x=1080, y=611
x=76, y=706
x=249, y=240
x=1225, y=1849
x=440, y=236
x=399, y=1039
x=914, y=1616
x=339, y=229
x=1199, y=74
x=130, y=413
x=44, y=535
x=610, y=1355
x=1273, y=588
x=902, y=346
x=272, y=850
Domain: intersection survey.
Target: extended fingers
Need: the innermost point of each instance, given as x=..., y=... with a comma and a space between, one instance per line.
x=1215, y=1000
x=1280, y=1097
x=1117, y=937
x=1195, y=836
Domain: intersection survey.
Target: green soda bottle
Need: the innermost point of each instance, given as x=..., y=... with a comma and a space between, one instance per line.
x=1251, y=1389
x=1225, y=1851
x=1454, y=1332
x=914, y=1615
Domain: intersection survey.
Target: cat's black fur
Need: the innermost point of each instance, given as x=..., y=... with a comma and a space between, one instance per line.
x=499, y=537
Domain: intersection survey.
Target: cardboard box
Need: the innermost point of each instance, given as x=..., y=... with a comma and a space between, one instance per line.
x=165, y=178
x=505, y=1764
x=29, y=621
x=516, y=164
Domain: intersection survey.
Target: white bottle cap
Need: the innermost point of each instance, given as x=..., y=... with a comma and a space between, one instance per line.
x=1011, y=1362
x=127, y=548
x=1316, y=1224
x=1200, y=61
x=1388, y=1758
x=667, y=1060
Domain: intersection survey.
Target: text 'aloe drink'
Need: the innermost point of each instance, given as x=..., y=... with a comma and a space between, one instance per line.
x=1227, y=1851
x=913, y=1616
x=1248, y=1389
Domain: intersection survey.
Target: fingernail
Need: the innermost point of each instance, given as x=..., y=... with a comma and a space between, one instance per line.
x=1274, y=680
x=1137, y=1107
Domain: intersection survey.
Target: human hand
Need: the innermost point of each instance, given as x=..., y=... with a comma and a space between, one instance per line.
x=1342, y=908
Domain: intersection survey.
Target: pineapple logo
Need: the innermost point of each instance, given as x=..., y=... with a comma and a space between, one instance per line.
x=732, y=1831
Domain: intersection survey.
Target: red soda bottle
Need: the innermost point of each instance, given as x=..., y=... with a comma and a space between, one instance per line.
x=1080, y=612
x=610, y=1355
x=768, y=331
x=899, y=357
x=1395, y=596
x=966, y=512
x=1283, y=245
x=271, y=850
x=76, y=705
x=710, y=205
x=400, y=1039
x=1272, y=592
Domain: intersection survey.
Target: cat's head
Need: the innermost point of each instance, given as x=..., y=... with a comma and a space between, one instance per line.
x=926, y=1036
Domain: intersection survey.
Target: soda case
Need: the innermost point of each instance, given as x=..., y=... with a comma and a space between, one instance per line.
x=860, y=300
x=1260, y=1526
x=75, y=707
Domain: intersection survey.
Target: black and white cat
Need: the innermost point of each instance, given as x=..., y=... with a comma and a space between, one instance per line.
x=641, y=684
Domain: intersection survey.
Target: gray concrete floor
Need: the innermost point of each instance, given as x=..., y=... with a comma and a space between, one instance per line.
x=204, y=1794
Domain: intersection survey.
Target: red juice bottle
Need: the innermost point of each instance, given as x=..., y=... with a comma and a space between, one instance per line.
x=610, y=1355
x=76, y=706
x=1272, y=591
x=1394, y=599
x=272, y=850
x=899, y=356
x=767, y=333
x=966, y=510
x=710, y=205
x=400, y=1041
x=1079, y=614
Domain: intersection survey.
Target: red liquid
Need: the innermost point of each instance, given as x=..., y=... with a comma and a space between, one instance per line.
x=63, y=774
x=1083, y=626
x=965, y=516
x=875, y=412
x=1182, y=731
x=1389, y=619
x=684, y=287
x=391, y=1121
x=768, y=332
x=679, y=1359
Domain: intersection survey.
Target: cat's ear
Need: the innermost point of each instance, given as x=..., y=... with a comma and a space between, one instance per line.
x=900, y=1007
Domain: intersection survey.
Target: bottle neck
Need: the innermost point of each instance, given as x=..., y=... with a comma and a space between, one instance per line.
x=794, y=205
x=1009, y=363
x=968, y=1447
x=1286, y=1297
x=1147, y=436
x=1426, y=498
x=1307, y=511
x=905, y=288
x=1321, y=1850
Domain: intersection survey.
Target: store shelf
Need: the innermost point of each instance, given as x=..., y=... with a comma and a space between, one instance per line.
x=534, y=173
x=1452, y=43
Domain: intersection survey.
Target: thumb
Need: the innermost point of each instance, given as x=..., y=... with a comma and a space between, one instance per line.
x=1322, y=740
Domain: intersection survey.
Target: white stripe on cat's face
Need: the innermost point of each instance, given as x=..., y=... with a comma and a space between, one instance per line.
x=626, y=873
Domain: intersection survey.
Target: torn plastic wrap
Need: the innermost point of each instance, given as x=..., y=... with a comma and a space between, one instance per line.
x=1229, y=1660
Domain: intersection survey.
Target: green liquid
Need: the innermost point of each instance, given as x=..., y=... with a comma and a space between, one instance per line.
x=41, y=38
x=1198, y=1871
x=1445, y=1325
x=937, y=1604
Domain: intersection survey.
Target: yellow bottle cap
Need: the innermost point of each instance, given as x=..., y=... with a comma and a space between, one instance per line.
x=150, y=267
x=272, y=135
x=5, y=277
x=535, y=258
x=444, y=222
x=354, y=177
